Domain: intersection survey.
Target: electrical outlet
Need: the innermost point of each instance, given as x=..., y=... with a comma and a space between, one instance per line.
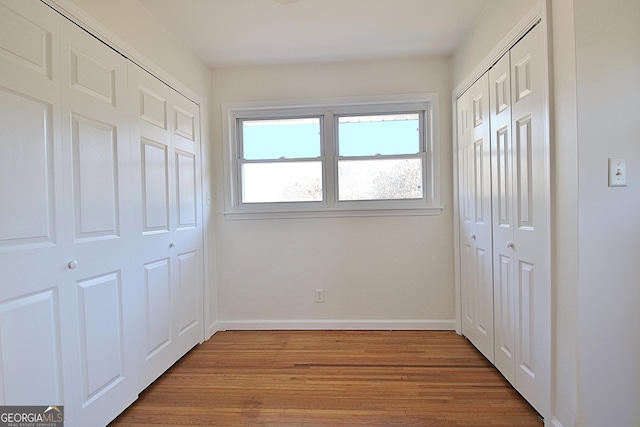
x=319, y=295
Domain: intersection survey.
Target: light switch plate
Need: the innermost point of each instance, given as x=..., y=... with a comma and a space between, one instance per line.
x=617, y=172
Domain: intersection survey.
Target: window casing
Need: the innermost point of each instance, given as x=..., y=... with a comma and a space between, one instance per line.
x=365, y=156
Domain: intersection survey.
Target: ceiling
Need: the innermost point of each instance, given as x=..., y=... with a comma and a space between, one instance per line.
x=226, y=33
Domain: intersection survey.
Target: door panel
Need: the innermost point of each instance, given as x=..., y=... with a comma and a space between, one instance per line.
x=524, y=173
x=187, y=191
x=27, y=37
x=155, y=186
x=502, y=186
x=27, y=186
x=187, y=265
x=91, y=76
x=30, y=350
x=505, y=316
x=153, y=108
x=101, y=335
x=96, y=183
x=157, y=279
x=526, y=342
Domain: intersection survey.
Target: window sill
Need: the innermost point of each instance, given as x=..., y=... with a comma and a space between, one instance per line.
x=331, y=213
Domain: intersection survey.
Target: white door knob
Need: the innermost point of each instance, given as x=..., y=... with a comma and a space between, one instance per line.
x=72, y=264
x=510, y=245
x=172, y=244
x=473, y=237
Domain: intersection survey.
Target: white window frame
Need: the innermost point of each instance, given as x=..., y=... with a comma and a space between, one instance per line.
x=327, y=109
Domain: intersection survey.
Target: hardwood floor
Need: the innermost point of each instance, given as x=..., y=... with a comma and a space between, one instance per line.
x=320, y=378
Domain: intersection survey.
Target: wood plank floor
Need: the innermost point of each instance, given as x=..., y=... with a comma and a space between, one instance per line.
x=331, y=378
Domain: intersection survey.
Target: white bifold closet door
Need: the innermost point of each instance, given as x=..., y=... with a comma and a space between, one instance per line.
x=166, y=162
x=474, y=157
x=35, y=287
x=95, y=130
x=101, y=262
x=504, y=216
x=521, y=217
x=68, y=300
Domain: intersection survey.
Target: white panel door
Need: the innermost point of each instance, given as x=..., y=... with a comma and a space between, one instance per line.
x=531, y=221
x=474, y=156
x=521, y=219
x=502, y=179
x=187, y=223
x=169, y=229
x=33, y=234
x=99, y=202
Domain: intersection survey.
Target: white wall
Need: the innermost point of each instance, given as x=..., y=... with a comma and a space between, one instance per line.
x=131, y=22
x=497, y=19
x=608, y=88
x=382, y=268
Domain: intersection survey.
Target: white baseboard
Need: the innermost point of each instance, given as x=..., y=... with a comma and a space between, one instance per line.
x=365, y=325
x=556, y=423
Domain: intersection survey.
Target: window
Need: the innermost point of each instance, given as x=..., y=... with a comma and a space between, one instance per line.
x=280, y=160
x=365, y=156
x=380, y=157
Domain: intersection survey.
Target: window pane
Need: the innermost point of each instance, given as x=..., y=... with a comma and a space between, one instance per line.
x=388, y=179
x=381, y=134
x=282, y=182
x=282, y=138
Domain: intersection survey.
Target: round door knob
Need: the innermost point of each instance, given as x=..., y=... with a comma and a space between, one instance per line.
x=72, y=264
x=473, y=237
x=510, y=245
x=172, y=244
